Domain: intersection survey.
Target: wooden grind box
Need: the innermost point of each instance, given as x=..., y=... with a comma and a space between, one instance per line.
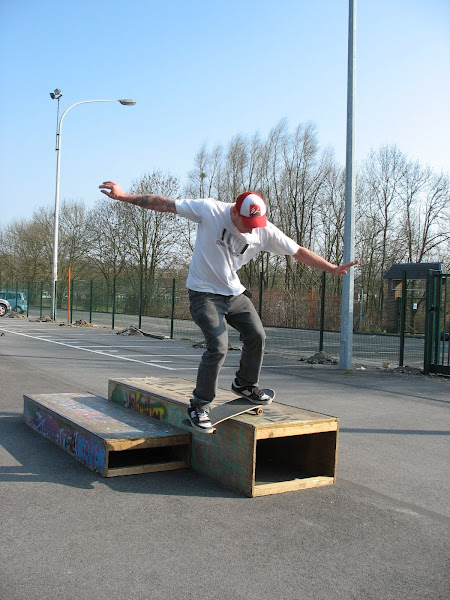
x=282, y=450
x=107, y=439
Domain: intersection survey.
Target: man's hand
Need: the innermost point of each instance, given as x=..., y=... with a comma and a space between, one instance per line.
x=342, y=269
x=115, y=191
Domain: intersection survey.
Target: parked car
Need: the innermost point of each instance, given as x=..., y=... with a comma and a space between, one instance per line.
x=4, y=307
x=16, y=300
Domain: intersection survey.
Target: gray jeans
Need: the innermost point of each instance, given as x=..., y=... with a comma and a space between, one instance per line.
x=212, y=313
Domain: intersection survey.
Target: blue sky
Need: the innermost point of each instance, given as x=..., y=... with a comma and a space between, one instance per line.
x=203, y=71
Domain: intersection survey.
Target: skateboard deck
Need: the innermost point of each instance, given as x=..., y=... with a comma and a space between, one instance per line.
x=227, y=410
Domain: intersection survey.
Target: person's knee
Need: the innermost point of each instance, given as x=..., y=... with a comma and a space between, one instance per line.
x=216, y=351
x=261, y=337
x=259, y=333
x=255, y=339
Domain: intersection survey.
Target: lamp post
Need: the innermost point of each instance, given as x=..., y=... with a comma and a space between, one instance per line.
x=56, y=95
x=346, y=336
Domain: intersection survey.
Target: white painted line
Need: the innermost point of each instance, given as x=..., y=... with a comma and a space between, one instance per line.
x=165, y=355
x=100, y=346
x=279, y=366
x=34, y=337
x=49, y=339
x=111, y=346
x=159, y=361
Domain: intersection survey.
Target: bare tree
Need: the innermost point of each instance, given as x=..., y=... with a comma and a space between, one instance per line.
x=151, y=234
x=30, y=244
x=74, y=240
x=23, y=255
x=426, y=212
x=108, y=233
x=331, y=212
x=383, y=172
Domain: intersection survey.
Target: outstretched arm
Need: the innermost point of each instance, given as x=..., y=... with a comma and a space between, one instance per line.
x=151, y=201
x=310, y=258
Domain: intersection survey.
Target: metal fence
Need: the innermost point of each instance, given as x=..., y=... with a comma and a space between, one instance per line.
x=301, y=321
x=437, y=343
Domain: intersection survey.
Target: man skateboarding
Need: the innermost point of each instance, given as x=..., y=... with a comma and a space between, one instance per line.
x=228, y=237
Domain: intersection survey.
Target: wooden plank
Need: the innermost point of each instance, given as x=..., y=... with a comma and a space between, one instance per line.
x=148, y=442
x=279, y=430
x=266, y=489
x=137, y=470
x=98, y=416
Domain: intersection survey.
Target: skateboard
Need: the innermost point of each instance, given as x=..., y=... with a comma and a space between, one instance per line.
x=227, y=410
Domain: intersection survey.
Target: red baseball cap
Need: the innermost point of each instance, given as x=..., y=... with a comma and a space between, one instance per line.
x=252, y=208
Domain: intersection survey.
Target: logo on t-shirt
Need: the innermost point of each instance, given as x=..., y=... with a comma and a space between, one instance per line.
x=233, y=244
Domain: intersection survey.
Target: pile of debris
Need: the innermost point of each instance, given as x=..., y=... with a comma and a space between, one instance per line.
x=406, y=370
x=320, y=358
x=203, y=345
x=132, y=330
x=15, y=315
x=79, y=323
x=44, y=319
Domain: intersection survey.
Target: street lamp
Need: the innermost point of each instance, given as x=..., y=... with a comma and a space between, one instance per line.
x=346, y=335
x=56, y=95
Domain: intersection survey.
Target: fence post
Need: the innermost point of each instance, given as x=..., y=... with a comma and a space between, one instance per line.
x=113, y=302
x=438, y=312
x=444, y=321
x=260, y=294
x=140, y=302
x=28, y=298
x=90, y=300
x=173, y=309
x=429, y=329
x=322, y=312
x=403, y=321
x=71, y=299
x=40, y=302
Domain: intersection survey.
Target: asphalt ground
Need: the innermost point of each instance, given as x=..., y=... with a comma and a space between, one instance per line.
x=376, y=349
x=66, y=533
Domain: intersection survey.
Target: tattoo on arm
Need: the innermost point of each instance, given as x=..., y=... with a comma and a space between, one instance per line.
x=154, y=202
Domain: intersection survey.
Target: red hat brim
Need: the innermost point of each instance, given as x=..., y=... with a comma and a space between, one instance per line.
x=254, y=221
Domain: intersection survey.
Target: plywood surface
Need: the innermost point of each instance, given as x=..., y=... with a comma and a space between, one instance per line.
x=102, y=418
x=275, y=415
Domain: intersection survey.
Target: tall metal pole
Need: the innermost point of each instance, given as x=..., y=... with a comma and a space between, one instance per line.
x=125, y=102
x=346, y=340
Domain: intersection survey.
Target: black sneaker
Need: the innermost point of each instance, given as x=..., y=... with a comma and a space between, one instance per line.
x=251, y=393
x=199, y=419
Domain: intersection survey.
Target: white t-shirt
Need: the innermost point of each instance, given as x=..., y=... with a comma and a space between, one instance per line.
x=221, y=249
